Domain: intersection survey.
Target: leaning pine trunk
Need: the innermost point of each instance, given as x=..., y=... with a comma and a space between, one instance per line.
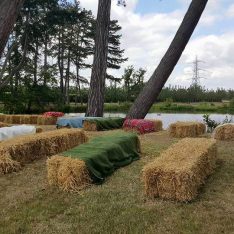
x=97, y=84
x=8, y=14
x=155, y=84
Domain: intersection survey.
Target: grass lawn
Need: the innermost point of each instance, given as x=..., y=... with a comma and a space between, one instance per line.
x=29, y=205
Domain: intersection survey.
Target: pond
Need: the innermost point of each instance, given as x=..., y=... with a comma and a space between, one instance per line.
x=168, y=118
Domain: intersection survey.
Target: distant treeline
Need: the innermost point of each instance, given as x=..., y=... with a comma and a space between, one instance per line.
x=196, y=94
x=42, y=98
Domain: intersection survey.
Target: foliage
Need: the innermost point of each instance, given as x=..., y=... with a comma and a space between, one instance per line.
x=195, y=94
x=60, y=41
x=212, y=124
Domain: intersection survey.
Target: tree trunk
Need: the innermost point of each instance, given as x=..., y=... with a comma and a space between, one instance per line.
x=78, y=94
x=45, y=69
x=60, y=62
x=98, y=76
x=67, y=78
x=155, y=84
x=35, y=60
x=8, y=15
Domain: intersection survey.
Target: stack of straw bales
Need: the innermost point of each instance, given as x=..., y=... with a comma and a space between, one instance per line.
x=20, y=150
x=180, y=170
x=28, y=119
x=19, y=119
x=224, y=132
x=187, y=129
x=43, y=120
x=87, y=164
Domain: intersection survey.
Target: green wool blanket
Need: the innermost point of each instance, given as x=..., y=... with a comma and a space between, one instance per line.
x=103, y=155
x=107, y=123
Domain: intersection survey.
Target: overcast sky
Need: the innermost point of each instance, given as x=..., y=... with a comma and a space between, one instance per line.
x=148, y=26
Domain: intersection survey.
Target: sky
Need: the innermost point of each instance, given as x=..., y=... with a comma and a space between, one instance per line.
x=148, y=27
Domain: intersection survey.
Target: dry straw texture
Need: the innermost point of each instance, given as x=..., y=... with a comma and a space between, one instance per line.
x=7, y=165
x=28, y=148
x=28, y=119
x=158, y=125
x=42, y=120
x=224, y=132
x=92, y=162
x=39, y=130
x=68, y=174
x=187, y=129
x=89, y=126
x=180, y=170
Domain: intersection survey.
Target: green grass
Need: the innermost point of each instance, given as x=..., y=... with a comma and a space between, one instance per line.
x=29, y=205
x=163, y=107
x=202, y=107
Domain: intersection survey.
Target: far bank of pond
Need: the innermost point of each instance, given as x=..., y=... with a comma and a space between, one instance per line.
x=162, y=107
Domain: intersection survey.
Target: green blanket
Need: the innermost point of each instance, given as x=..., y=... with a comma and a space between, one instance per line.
x=103, y=155
x=107, y=123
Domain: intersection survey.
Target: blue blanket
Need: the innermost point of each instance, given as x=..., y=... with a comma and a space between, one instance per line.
x=73, y=122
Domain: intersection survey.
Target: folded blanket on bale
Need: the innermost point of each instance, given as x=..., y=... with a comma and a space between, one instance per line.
x=102, y=124
x=14, y=131
x=92, y=162
x=53, y=114
x=139, y=125
x=72, y=122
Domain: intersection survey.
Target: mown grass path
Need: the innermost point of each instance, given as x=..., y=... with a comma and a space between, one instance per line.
x=29, y=205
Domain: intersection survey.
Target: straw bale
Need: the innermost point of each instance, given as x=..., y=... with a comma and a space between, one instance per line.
x=43, y=120
x=186, y=129
x=67, y=173
x=224, y=132
x=8, y=119
x=201, y=128
x=180, y=170
x=133, y=130
x=92, y=162
x=19, y=119
x=7, y=165
x=28, y=148
x=2, y=118
x=158, y=125
x=28, y=119
x=39, y=130
x=15, y=119
x=33, y=119
x=89, y=126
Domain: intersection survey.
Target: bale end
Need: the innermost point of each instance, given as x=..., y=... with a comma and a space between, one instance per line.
x=67, y=173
